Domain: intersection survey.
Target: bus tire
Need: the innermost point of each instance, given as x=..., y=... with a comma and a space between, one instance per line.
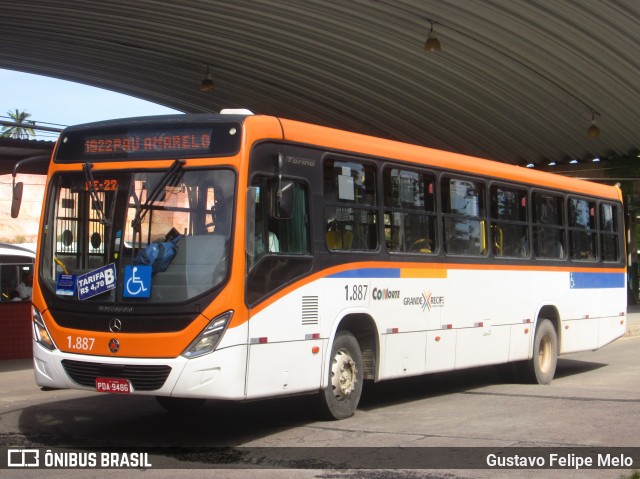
x=180, y=405
x=340, y=398
x=541, y=368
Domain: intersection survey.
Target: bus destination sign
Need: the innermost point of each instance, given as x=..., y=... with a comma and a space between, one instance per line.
x=196, y=141
x=125, y=141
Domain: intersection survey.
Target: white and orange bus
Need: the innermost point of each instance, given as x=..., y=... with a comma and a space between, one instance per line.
x=241, y=257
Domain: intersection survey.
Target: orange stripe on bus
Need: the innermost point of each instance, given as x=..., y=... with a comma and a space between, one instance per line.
x=339, y=140
x=423, y=272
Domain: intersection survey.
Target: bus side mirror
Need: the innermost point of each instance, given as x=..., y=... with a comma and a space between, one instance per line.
x=16, y=200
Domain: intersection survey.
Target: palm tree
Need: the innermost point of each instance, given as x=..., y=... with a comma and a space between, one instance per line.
x=19, y=130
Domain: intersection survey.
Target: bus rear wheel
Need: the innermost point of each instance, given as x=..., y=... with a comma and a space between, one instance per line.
x=340, y=398
x=541, y=367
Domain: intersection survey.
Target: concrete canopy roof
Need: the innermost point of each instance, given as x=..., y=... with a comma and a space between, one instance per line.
x=516, y=80
x=14, y=150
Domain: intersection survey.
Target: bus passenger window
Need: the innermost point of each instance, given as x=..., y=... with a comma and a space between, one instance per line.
x=548, y=226
x=409, y=216
x=282, y=240
x=465, y=231
x=350, y=206
x=509, y=227
x=582, y=230
x=275, y=234
x=609, y=233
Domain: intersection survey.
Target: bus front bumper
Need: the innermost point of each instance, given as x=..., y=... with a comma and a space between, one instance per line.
x=218, y=375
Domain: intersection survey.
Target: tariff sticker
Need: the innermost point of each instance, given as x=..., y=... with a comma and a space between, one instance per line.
x=97, y=282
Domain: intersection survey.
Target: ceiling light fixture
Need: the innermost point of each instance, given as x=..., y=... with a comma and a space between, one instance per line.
x=207, y=83
x=593, y=131
x=432, y=44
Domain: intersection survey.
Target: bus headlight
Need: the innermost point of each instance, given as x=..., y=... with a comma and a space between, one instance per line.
x=40, y=331
x=208, y=339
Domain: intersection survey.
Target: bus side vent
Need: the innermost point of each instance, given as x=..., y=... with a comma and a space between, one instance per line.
x=310, y=310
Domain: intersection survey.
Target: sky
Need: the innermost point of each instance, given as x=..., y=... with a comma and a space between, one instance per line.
x=60, y=102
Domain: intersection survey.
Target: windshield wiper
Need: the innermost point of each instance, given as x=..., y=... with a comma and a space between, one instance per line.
x=169, y=177
x=88, y=176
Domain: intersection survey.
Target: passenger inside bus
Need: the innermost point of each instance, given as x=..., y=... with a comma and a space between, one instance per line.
x=26, y=286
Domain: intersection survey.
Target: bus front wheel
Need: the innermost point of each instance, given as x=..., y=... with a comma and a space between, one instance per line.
x=340, y=398
x=541, y=367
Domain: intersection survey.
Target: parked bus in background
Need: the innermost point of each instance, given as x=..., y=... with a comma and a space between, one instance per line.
x=241, y=257
x=16, y=272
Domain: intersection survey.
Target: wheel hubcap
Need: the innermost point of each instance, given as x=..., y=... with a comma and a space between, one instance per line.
x=544, y=354
x=343, y=375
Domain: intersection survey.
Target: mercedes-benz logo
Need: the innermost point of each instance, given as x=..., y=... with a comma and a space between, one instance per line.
x=115, y=325
x=114, y=345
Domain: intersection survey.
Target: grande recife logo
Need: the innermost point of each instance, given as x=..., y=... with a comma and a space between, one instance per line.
x=426, y=301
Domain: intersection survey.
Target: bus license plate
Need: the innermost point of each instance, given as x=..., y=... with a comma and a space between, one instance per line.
x=113, y=385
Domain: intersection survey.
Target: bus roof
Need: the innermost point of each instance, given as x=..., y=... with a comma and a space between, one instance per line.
x=13, y=251
x=379, y=147
x=345, y=141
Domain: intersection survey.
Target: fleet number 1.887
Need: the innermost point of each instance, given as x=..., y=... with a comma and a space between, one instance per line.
x=356, y=292
x=80, y=343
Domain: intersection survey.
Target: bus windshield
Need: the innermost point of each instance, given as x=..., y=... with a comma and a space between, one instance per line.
x=99, y=226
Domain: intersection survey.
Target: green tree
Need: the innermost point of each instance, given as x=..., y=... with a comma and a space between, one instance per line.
x=19, y=130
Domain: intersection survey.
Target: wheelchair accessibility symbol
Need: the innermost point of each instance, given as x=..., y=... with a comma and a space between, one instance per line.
x=137, y=282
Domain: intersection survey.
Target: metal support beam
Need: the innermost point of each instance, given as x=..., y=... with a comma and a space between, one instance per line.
x=33, y=126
